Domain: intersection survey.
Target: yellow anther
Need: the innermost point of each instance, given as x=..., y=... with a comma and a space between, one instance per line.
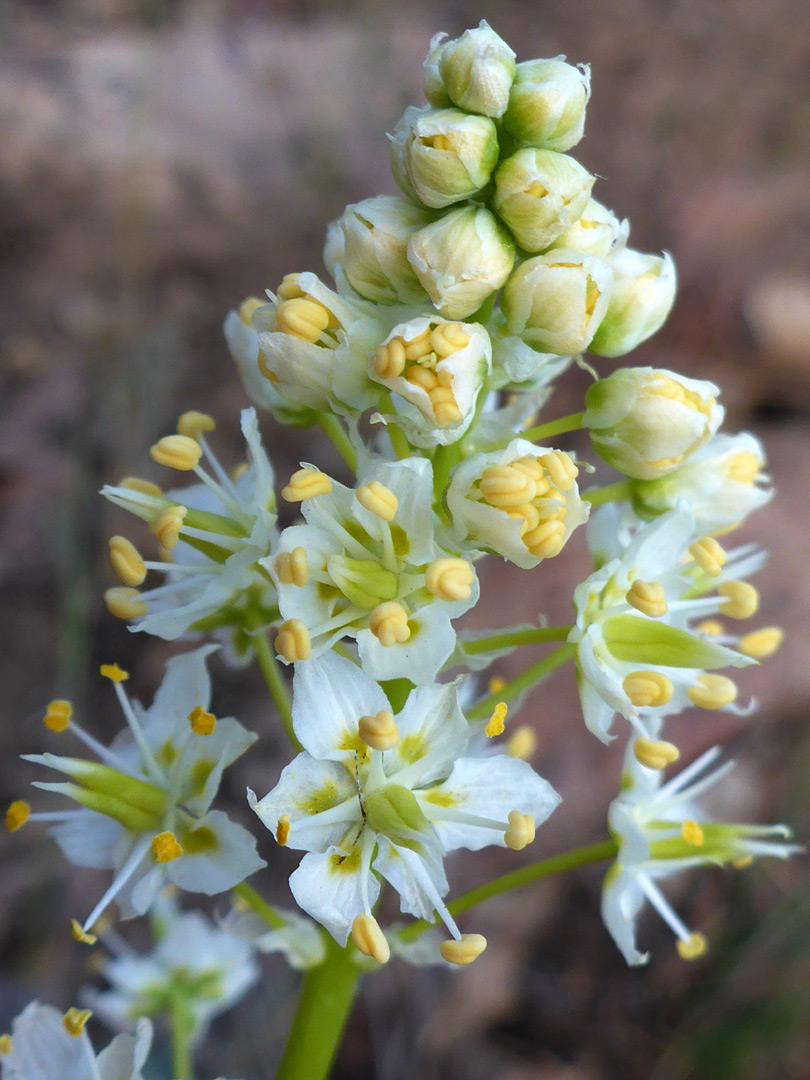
x=760, y=644
x=743, y=467
x=124, y=603
x=292, y=567
x=520, y=832
x=17, y=815
x=201, y=721
x=126, y=561
x=534, y=470
x=79, y=934
x=648, y=598
x=75, y=1020
x=418, y=347
x=145, y=487
x=238, y=471
x=648, y=689
x=528, y=514
x=369, y=939
x=693, y=947
x=522, y=743
x=560, y=468
x=165, y=847
x=496, y=684
x=283, y=830
x=450, y=579
x=710, y=627
x=306, y=484
x=743, y=863
x=496, y=722
x=655, y=753
x=177, y=452
x=193, y=424
x=303, y=318
x=692, y=833
x=709, y=555
x=379, y=732
x=389, y=360
x=168, y=526
x=742, y=599
x=713, y=691
x=424, y=377
x=444, y=412
x=248, y=308
x=504, y=486
x=6, y=1045
x=293, y=642
x=114, y=673
x=464, y=951
x=379, y=499
x=58, y=715
x=388, y=622
x=289, y=289
x=546, y=540
x=447, y=338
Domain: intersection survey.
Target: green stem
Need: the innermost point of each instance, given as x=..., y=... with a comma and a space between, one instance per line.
x=509, y=639
x=275, y=683
x=180, y=1023
x=553, y=427
x=530, y=677
x=622, y=489
x=399, y=443
x=445, y=459
x=515, y=879
x=259, y=905
x=326, y=999
x=334, y=430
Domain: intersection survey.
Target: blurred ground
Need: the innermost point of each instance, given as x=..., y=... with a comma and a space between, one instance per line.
x=158, y=161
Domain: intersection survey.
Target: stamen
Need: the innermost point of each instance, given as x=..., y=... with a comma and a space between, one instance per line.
x=713, y=691
x=495, y=724
x=289, y=289
x=647, y=597
x=283, y=830
x=388, y=622
x=743, y=863
x=648, y=689
x=238, y=471
x=75, y=1020
x=447, y=338
x=693, y=947
x=58, y=715
x=692, y=833
x=247, y=308
x=450, y=579
x=463, y=951
x=80, y=934
x=304, y=318
x=369, y=938
x=560, y=468
x=136, y=857
x=547, y=540
x=743, y=599
x=709, y=555
x=654, y=753
x=496, y=684
x=293, y=642
x=389, y=360
x=17, y=815
x=202, y=722
x=306, y=484
x=521, y=830
x=445, y=407
x=760, y=644
x=710, y=627
x=113, y=672
x=504, y=486
x=117, y=675
x=165, y=847
x=193, y=424
x=168, y=525
x=6, y=1045
x=124, y=603
x=742, y=467
x=177, y=452
x=379, y=499
x=379, y=732
x=522, y=743
x=145, y=487
x=126, y=561
x=418, y=347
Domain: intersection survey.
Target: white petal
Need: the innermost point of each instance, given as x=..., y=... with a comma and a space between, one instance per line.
x=329, y=887
x=126, y=1055
x=198, y=772
x=420, y=657
x=412, y=483
x=88, y=839
x=228, y=856
x=622, y=900
x=432, y=729
x=41, y=1048
x=330, y=694
x=418, y=877
x=185, y=685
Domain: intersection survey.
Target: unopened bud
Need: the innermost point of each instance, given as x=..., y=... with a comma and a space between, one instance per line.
x=547, y=103
x=538, y=193
x=596, y=232
x=375, y=242
x=641, y=298
x=477, y=70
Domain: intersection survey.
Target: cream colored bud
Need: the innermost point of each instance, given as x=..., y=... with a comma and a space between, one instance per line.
x=641, y=298
x=306, y=484
x=378, y=499
x=520, y=832
x=369, y=939
x=388, y=622
x=125, y=603
x=375, y=249
x=538, y=193
x=597, y=231
x=450, y=579
x=464, y=951
x=547, y=103
x=126, y=561
x=192, y=424
x=655, y=753
x=432, y=81
x=713, y=691
x=293, y=642
x=477, y=70
x=177, y=452
x=742, y=599
x=379, y=732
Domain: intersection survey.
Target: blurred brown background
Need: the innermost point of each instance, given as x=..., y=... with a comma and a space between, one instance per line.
x=159, y=161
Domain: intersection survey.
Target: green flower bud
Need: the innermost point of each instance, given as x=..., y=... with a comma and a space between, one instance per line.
x=362, y=581
x=477, y=70
x=433, y=84
x=441, y=156
x=645, y=422
x=538, y=193
x=555, y=302
x=375, y=241
x=461, y=259
x=642, y=295
x=597, y=232
x=547, y=103
x=395, y=813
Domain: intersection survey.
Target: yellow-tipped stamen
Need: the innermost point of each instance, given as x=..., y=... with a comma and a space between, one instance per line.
x=193, y=424
x=647, y=597
x=496, y=722
x=742, y=467
x=418, y=347
x=742, y=599
x=379, y=732
x=58, y=715
x=693, y=947
x=168, y=525
x=450, y=579
x=424, y=377
x=378, y=499
x=522, y=743
x=293, y=642
x=306, y=484
x=546, y=540
x=760, y=644
x=81, y=935
x=75, y=1021
x=709, y=555
x=445, y=408
x=177, y=452
x=6, y=1045
x=448, y=338
x=283, y=830
x=126, y=561
x=655, y=753
x=496, y=684
x=692, y=833
x=369, y=939
x=464, y=951
x=239, y=471
x=248, y=308
x=648, y=689
x=114, y=673
x=505, y=487
x=521, y=831
x=713, y=691
x=124, y=603
x=304, y=318
x=201, y=721
x=289, y=288
x=292, y=567
x=389, y=360
x=560, y=468
x=388, y=622
x=17, y=815
x=145, y=487
x=711, y=628
x=165, y=847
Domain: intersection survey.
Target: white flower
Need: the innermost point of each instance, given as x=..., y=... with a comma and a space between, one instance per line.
x=538, y=194
x=362, y=813
x=146, y=809
x=242, y=339
x=547, y=103
x=297, y=938
x=522, y=502
x=477, y=70
x=370, y=568
x=660, y=830
x=214, y=532
x=43, y=1047
x=642, y=296
x=374, y=253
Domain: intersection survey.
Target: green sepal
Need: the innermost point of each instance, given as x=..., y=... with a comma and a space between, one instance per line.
x=637, y=640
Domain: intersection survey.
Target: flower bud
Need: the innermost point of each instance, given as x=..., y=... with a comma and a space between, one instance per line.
x=477, y=70
x=432, y=81
x=597, y=232
x=441, y=156
x=556, y=301
x=642, y=295
x=645, y=422
x=375, y=241
x=547, y=103
x=538, y=193
x=461, y=259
